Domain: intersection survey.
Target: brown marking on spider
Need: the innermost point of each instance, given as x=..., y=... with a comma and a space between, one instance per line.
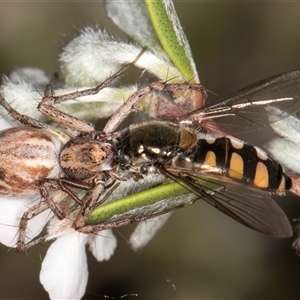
x=27, y=154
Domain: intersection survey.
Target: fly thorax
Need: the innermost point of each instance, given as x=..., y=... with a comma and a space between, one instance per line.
x=153, y=144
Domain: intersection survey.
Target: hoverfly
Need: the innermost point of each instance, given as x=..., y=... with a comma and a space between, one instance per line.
x=244, y=175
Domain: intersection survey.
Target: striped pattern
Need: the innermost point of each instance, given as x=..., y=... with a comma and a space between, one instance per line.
x=179, y=147
x=82, y=158
x=241, y=161
x=27, y=155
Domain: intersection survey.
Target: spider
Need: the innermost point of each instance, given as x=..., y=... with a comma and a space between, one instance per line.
x=38, y=157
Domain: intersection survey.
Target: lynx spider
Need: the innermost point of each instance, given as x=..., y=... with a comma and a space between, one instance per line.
x=78, y=129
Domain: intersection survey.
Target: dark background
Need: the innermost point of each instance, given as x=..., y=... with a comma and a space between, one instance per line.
x=200, y=253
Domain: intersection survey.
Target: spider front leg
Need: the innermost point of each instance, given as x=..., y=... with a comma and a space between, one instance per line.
x=67, y=121
x=119, y=116
x=55, y=204
x=63, y=185
x=89, y=202
x=50, y=203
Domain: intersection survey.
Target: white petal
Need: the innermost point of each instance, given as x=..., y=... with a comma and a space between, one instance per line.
x=34, y=76
x=11, y=210
x=94, y=55
x=289, y=127
x=103, y=244
x=286, y=152
x=145, y=231
x=24, y=97
x=64, y=271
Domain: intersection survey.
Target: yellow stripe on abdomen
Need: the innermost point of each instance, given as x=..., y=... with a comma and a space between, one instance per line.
x=261, y=178
x=236, y=166
x=210, y=159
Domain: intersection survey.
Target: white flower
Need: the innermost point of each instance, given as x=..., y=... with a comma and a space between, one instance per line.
x=58, y=264
x=81, y=58
x=11, y=209
x=65, y=256
x=64, y=272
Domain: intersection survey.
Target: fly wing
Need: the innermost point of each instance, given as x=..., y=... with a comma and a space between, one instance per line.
x=254, y=208
x=248, y=105
x=250, y=206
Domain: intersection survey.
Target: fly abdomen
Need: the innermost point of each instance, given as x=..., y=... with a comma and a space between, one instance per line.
x=238, y=160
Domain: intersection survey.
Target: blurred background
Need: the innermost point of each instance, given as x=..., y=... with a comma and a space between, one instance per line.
x=200, y=253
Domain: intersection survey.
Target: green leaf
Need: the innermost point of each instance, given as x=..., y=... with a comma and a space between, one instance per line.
x=142, y=205
x=170, y=33
x=133, y=18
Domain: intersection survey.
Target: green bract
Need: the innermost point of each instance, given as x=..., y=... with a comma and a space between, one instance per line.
x=169, y=31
